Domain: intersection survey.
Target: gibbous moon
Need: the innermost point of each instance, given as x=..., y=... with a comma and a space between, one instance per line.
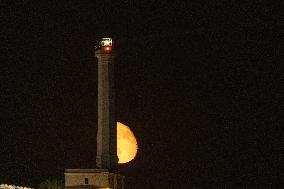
x=126, y=143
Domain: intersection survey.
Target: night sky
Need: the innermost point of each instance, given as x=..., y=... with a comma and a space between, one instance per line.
x=200, y=85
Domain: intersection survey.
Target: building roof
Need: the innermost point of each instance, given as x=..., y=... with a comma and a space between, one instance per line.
x=84, y=187
x=86, y=170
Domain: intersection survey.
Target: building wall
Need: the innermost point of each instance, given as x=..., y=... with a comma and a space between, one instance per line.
x=75, y=179
x=102, y=179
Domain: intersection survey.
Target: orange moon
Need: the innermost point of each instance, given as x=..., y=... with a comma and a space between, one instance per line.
x=126, y=143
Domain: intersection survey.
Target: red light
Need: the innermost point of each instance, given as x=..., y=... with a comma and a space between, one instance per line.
x=107, y=49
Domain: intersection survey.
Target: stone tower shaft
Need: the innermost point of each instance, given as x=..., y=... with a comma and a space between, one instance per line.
x=106, y=135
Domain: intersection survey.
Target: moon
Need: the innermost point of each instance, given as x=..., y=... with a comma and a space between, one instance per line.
x=126, y=144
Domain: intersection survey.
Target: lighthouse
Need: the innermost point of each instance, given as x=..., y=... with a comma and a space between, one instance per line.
x=106, y=174
x=106, y=135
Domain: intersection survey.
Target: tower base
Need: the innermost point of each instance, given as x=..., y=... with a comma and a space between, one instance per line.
x=92, y=179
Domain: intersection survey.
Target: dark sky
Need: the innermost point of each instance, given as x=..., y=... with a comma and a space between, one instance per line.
x=200, y=85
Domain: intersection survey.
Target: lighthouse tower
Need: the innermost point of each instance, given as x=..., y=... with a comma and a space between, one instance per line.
x=106, y=175
x=106, y=135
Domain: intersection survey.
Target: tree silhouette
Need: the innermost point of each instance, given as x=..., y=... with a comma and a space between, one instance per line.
x=51, y=184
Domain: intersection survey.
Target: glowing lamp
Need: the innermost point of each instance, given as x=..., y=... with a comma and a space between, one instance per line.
x=106, y=42
x=107, y=49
